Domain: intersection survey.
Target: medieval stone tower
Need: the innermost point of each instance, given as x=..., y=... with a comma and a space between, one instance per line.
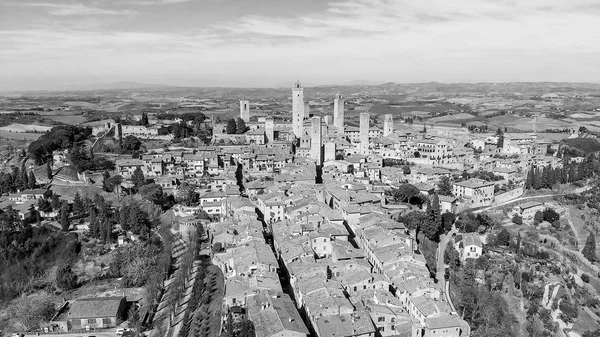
x=245, y=110
x=388, y=125
x=364, y=133
x=316, y=140
x=270, y=129
x=338, y=113
x=297, y=109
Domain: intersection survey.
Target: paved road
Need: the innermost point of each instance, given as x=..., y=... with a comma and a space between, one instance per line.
x=441, y=266
x=516, y=200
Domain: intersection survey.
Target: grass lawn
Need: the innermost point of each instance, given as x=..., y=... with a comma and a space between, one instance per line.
x=585, y=322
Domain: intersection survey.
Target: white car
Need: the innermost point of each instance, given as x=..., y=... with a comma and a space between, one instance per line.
x=121, y=331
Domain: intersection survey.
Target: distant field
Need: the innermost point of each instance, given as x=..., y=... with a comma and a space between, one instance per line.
x=25, y=128
x=526, y=124
x=19, y=135
x=82, y=104
x=72, y=120
x=447, y=118
x=412, y=108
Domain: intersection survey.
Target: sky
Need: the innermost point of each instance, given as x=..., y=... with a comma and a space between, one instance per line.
x=55, y=44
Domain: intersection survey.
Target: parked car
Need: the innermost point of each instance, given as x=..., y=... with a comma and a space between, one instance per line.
x=121, y=331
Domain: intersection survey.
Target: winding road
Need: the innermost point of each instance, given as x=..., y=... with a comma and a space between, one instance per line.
x=517, y=200
x=441, y=266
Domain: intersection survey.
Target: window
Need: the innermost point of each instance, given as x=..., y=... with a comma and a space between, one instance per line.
x=354, y=288
x=382, y=329
x=393, y=327
x=380, y=319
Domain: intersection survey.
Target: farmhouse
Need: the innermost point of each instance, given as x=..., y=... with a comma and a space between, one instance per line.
x=528, y=209
x=96, y=312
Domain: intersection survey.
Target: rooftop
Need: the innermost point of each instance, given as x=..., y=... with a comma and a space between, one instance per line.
x=96, y=307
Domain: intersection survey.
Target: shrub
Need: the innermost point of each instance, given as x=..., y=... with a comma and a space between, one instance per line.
x=517, y=219
x=585, y=278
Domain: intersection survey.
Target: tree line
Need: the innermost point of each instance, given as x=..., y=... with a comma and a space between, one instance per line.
x=548, y=177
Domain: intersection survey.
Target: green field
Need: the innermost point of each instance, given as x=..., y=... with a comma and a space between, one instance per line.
x=19, y=135
x=70, y=119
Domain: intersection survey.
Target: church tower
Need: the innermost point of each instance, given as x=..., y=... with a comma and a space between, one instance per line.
x=297, y=109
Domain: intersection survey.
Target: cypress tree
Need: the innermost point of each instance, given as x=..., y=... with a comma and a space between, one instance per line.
x=32, y=182
x=48, y=170
x=433, y=224
x=589, y=250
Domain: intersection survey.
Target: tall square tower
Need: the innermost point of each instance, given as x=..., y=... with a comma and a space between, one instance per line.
x=338, y=113
x=245, y=110
x=388, y=125
x=297, y=109
x=316, y=140
x=364, y=133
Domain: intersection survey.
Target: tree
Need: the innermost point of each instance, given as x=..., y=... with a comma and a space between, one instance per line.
x=113, y=182
x=538, y=217
x=403, y=193
x=31, y=311
x=78, y=208
x=432, y=226
x=152, y=192
x=231, y=127
x=245, y=328
x=448, y=219
x=65, y=278
x=32, y=182
x=503, y=237
x=144, y=119
x=131, y=144
x=585, y=278
x=550, y=215
x=187, y=195
x=24, y=178
x=64, y=216
x=517, y=219
x=500, y=135
x=451, y=257
x=444, y=186
x=137, y=178
x=44, y=205
x=413, y=219
x=240, y=126
x=589, y=250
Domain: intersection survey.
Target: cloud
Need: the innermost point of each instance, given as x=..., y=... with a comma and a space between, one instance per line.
x=153, y=2
x=393, y=40
x=77, y=9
